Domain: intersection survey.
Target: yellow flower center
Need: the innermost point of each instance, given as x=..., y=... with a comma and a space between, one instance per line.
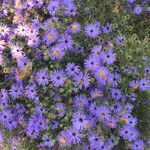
x=111, y=124
x=63, y=140
x=17, y=4
x=59, y=109
x=56, y=52
x=102, y=75
x=2, y=30
x=80, y=103
x=111, y=45
x=81, y=82
x=134, y=88
x=74, y=27
x=96, y=94
x=88, y=126
x=50, y=36
x=125, y=120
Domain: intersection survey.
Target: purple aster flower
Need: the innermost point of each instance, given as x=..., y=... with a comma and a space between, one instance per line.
x=74, y=27
x=48, y=142
x=108, y=57
x=97, y=50
x=91, y=63
x=147, y=70
x=72, y=69
x=58, y=78
x=4, y=95
x=30, y=91
x=82, y=80
x=57, y=52
x=92, y=31
x=80, y=101
x=37, y=3
x=63, y=139
x=107, y=28
x=70, y=10
x=15, y=90
x=102, y=113
x=116, y=107
x=95, y=93
x=54, y=124
x=144, y=84
x=79, y=120
x=115, y=79
x=39, y=110
x=50, y=36
x=102, y=75
x=10, y=124
x=93, y=108
x=53, y=7
x=116, y=94
x=13, y=147
x=111, y=122
x=120, y=40
x=32, y=131
x=128, y=132
x=137, y=10
x=61, y=109
x=66, y=41
x=138, y=145
x=134, y=85
x=74, y=135
x=5, y=115
x=95, y=141
x=133, y=97
x=42, y=77
x=33, y=41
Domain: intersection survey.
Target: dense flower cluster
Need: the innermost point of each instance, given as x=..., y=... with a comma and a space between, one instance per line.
x=138, y=8
x=79, y=104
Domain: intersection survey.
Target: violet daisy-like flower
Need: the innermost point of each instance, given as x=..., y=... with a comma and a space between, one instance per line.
x=30, y=91
x=91, y=63
x=137, y=10
x=97, y=50
x=63, y=139
x=58, y=78
x=120, y=40
x=66, y=41
x=95, y=93
x=60, y=108
x=15, y=90
x=10, y=124
x=72, y=69
x=4, y=30
x=80, y=101
x=32, y=131
x=79, y=120
x=107, y=28
x=102, y=75
x=70, y=10
x=5, y=115
x=74, y=135
x=109, y=57
x=92, y=31
x=74, y=27
x=82, y=80
x=111, y=122
x=57, y=52
x=102, y=113
x=115, y=79
x=128, y=132
x=53, y=7
x=95, y=141
x=42, y=77
x=50, y=36
x=138, y=145
x=144, y=84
